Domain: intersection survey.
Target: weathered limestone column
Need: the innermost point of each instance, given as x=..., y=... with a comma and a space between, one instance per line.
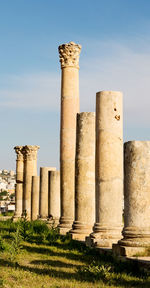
x=30, y=169
x=54, y=197
x=35, y=197
x=69, y=59
x=19, y=182
x=84, y=177
x=43, y=210
x=109, y=169
x=136, y=230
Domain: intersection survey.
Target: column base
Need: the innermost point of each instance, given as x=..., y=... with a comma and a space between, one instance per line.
x=28, y=217
x=53, y=222
x=63, y=230
x=44, y=219
x=16, y=218
x=104, y=236
x=65, y=225
x=119, y=250
x=135, y=241
x=80, y=231
x=78, y=237
x=100, y=242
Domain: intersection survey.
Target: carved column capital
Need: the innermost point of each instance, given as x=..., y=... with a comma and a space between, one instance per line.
x=69, y=54
x=19, y=152
x=30, y=152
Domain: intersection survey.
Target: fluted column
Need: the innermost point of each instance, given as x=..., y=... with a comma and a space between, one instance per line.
x=69, y=59
x=43, y=214
x=19, y=182
x=30, y=169
x=54, y=197
x=109, y=169
x=84, y=177
x=136, y=232
x=35, y=197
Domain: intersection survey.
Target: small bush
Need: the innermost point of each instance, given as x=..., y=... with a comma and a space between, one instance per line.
x=11, y=226
x=39, y=227
x=52, y=236
x=96, y=271
x=1, y=283
x=2, y=245
x=16, y=245
x=39, y=231
x=25, y=228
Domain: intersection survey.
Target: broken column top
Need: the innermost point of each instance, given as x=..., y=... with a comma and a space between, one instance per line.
x=30, y=152
x=18, y=150
x=69, y=54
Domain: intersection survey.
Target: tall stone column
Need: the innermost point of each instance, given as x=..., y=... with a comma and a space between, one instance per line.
x=19, y=182
x=44, y=191
x=84, y=177
x=136, y=232
x=109, y=169
x=54, y=197
x=30, y=169
x=35, y=197
x=69, y=59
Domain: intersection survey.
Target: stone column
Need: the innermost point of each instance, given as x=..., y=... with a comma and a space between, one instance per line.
x=35, y=198
x=30, y=169
x=136, y=232
x=54, y=197
x=43, y=210
x=84, y=177
x=69, y=59
x=19, y=182
x=109, y=169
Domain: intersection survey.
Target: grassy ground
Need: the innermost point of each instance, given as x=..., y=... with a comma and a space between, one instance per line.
x=61, y=263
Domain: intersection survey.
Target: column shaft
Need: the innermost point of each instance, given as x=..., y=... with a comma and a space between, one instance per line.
x=69, y=58
x=35, y=198
x=109, y=169
x=44, y=191
x=136, y=230
x=54, y=197
x=19, y=182
x=30, y=158
x=19, y=169
x=18, y=200
x=84, y=177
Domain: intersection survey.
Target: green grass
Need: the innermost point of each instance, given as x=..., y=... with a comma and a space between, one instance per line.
x=60, y=262
x=11, y=214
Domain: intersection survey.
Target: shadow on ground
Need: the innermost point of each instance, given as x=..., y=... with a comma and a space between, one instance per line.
x=54, y=263
x=63, y=275
x=49, y=252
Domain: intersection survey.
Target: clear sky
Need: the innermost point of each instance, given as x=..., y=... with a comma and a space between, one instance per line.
x=115, y=55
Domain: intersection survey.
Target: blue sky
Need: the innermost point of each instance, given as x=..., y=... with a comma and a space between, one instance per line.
x=115, y=40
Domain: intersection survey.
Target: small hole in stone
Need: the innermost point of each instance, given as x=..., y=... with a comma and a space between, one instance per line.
x=115, y=109
x=117, y=117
